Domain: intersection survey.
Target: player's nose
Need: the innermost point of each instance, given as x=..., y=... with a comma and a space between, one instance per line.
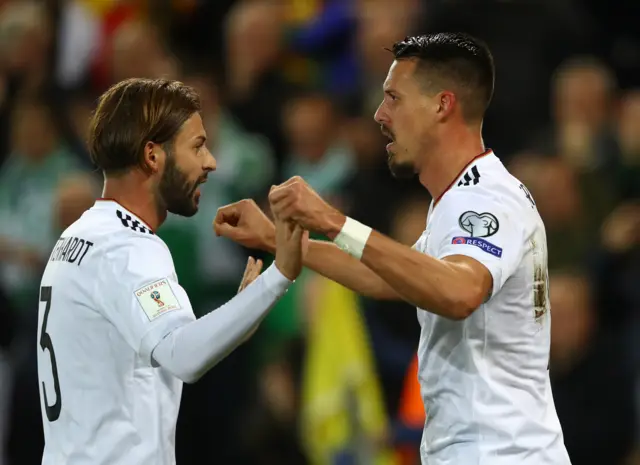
x=210, y=163
x=380, y=116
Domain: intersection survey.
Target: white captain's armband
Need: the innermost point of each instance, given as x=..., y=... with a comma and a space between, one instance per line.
x=157, y=298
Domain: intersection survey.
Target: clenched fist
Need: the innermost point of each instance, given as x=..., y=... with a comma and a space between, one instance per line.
x=243, y=222
x=294, y=200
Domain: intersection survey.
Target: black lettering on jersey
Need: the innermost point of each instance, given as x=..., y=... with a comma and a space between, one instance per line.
x=56, y=248
x=65, y=250
x=74, y=249
x=470, y=177
x=70, y=250
x=88, y=245
x=135, y=225
x=527, y=194
x=59, y=249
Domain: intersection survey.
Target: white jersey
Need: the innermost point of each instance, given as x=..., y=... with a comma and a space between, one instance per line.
x=108, y=296
x=485, y=380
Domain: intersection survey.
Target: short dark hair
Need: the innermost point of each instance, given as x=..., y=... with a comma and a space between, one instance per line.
x=134, y=112
x=454, y=57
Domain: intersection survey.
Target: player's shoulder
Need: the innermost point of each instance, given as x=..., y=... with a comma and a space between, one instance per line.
x=111, y=217
x=486, y=182
x=119, y=233
x=496, y=202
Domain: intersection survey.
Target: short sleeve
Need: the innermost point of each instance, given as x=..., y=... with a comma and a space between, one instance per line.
x=143, y=299
x=479, y=227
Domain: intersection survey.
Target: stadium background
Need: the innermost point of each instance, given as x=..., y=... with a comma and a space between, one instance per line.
x=290, y=87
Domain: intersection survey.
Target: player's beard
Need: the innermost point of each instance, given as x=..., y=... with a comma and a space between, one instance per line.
x=400, y=170
x=175, y=190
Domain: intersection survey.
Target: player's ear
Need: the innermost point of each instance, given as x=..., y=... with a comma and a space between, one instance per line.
x=152, y=157
x=445, y=101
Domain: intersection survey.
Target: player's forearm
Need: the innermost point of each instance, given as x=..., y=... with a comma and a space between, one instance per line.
x=331, y=262
x=191, y=350
x=441, y=287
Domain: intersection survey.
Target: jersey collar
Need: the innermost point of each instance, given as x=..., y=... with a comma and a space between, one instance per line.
x=462, y=171
x=115, y=205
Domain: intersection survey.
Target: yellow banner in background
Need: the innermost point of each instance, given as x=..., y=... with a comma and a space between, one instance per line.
x=342, y=403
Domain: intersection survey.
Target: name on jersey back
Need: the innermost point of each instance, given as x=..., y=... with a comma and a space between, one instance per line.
x=70, y=250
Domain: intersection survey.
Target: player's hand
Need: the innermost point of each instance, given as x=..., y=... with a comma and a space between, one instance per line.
x=291, y=242
x=295, y=200
x=243, y=222
x=251, y=272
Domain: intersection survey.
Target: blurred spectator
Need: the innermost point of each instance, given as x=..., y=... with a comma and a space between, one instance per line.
x=583, y=93
x=588, y=365
x=255, y=26
x=628, y=169
x=582, y=135
x=574, y=321
x=272, y=427
x=28, y=180
x=74, y=195
x=554, y=187
x=255, y=91
x=317, y=150
x=137, y=50
x=618, y=270
x=26, y=42
x=381, y=23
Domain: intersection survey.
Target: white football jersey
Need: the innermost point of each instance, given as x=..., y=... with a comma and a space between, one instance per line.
x=108, y=296
x=485, y=380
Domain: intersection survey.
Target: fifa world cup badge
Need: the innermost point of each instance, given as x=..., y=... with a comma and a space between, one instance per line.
x=157, y=298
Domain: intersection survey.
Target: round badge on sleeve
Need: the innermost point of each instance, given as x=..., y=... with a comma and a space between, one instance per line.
x=479, y=224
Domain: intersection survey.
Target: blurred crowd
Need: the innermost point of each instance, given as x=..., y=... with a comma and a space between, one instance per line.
x=289, y=87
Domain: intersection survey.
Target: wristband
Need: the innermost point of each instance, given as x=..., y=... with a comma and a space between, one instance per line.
x=353, y=237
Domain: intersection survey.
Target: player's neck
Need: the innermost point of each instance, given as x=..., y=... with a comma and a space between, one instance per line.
x=135, y=196
x=443, y=166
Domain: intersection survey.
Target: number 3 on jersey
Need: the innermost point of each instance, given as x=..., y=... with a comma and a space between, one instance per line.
x=53, y=411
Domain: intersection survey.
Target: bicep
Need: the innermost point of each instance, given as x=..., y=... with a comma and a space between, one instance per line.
x=473, y=272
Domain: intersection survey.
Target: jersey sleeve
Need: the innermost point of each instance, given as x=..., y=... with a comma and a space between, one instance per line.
x=479, y=227
x=143, y=298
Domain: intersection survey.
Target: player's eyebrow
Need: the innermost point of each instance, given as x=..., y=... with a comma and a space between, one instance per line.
x=201, y=139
